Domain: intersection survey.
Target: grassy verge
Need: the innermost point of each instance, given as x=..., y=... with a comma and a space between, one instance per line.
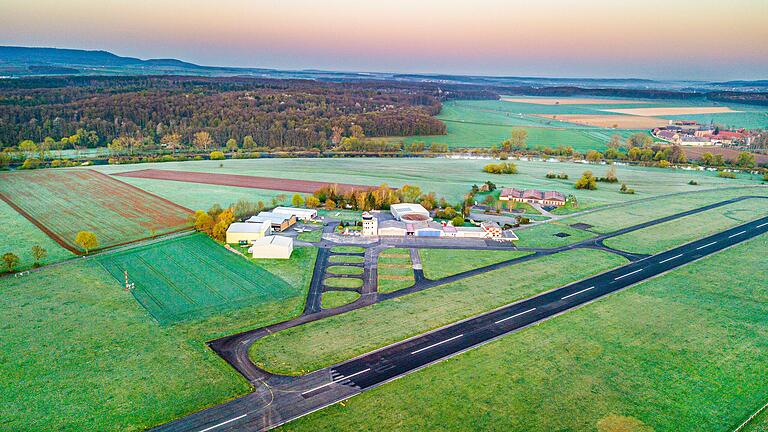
x=332, y=299
x=346, y=259
x=331, y=340
x=337, y=282
x=345, y=270
x=310, y=236
x=439, y=263
x=686, y=351
x=347, y=249
x=544, y=235
x=395, y=270
x=670, y=234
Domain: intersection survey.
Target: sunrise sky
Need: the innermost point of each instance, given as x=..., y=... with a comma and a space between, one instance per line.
x=672, y=39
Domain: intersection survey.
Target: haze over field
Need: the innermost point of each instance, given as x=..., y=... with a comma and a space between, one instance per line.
x=648, y=39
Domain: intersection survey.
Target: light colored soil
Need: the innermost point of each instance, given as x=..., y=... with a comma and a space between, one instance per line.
x=609, y=120
x=670, y=111
x=573, y=101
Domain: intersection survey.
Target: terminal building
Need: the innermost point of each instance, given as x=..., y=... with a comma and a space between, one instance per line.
x=299, y=213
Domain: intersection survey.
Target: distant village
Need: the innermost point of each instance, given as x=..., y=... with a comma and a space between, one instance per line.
x=691, y=133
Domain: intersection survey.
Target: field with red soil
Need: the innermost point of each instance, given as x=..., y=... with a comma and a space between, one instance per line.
x=694, y=153
x=63, y=202
x=244, y=181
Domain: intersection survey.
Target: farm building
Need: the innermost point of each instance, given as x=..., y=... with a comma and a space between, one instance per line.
x=279, y=222
x=240, y=232
x=272, y=247
x=298, y=213
x=409, y=212
x=533, y=196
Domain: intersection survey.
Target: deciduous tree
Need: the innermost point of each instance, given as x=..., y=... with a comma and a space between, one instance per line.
x=10, y=260
x=87, y=240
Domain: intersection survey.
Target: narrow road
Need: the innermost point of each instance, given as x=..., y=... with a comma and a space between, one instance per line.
x=278, y=399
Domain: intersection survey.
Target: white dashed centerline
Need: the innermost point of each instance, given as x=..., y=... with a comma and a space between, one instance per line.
x=628, y=274
x=670, y=259
x=737, y=234
x=515, y=315
x=576, y=293
x=706, y=245
x=762, y=225
x=223, y=423
x=339, y=379
x=434, y=345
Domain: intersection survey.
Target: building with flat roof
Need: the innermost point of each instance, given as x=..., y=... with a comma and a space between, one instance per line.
x=246, y=233
x=533, y=196
x=370, y=225
x=409, y=212
x=272, y=247
x=299, y=213
x=279, y=222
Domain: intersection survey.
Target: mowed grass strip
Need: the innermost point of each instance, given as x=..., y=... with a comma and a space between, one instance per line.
x=686, y=351
x=440, y=263
x=345, y=270
x=395, y=270
x=338, y=282
x=676, y=232
x=331, y=340
x=346, y=259
x=347, y=249
x=548, y=235
x=68, y=201
x=332, y=299
x=169, y=282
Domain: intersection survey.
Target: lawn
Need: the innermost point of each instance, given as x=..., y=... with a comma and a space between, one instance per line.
x=674, y=233
x=686, y=351
x=65, y=202
x=338, y=282
x=345, y=270
x=332, y=299
x=171, y=287
x=394, y=270
x=440, y=263
x=311, y=236
x=331, y=340
x=346, y=259
x=543, y=235
x=347, y=249
x=19, y=235
x=611, y=219
x=72, y=334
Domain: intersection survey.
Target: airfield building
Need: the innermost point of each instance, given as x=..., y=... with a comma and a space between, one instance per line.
x=409, y=212
x=299, y=213
x=247, y=233
x=370, y=225
x=279, y=222
x=272, y=247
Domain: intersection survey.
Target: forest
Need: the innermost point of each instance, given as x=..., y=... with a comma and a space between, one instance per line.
x=69, y=112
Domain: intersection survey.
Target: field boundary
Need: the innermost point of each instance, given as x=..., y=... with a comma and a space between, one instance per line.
x=55, y=237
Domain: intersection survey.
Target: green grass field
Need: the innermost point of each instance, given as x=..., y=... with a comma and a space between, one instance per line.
x=395, y=270
x=674, y=233
x=439, y=263
x=311, y=236
x=345, y=270
x=337, y=282
x=321, y=343
x=332, y=299
x=19, y=235
x=544, y=235
x=68, y=201
x=169, y=283
x=686, y=351
x=347, y=249
x=349, y=259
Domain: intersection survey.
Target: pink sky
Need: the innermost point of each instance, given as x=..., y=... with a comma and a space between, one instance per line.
x=685, y=39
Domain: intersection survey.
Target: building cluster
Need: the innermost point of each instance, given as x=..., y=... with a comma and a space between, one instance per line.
x=691, y=133
x=414, y=220
x=532, y=196
x=258, y=230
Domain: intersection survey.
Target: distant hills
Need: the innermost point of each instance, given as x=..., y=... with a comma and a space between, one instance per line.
x=16, y=62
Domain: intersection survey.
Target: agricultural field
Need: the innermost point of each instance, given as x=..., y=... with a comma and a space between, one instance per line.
x=684, y=351
x=395, y=270
x=64, y=202
x=667, y=235
x=321, y=343
x=19, y=235
x=171, y=287
x=487, y=122
x=440, y=263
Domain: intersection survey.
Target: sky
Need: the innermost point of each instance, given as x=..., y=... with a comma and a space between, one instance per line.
x=659, y=39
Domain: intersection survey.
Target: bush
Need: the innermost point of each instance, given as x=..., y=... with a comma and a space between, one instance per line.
x=587, y=181
x=726, y=174
x=693, y=183
x=610, y=176
x=625, y=190
x=457, y=221
x=31, y=163
x=501, y=168
x=217, y=155
x=561, y=176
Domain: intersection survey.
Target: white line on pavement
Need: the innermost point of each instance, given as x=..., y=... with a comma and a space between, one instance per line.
x=628, y=274
x=762, y=225
x=738, y=233
x=341, y=378
x=670, y=259
x=223, y=423
x=515, y=315
x=708, y=244
x=576, y=293
x=439, y=343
